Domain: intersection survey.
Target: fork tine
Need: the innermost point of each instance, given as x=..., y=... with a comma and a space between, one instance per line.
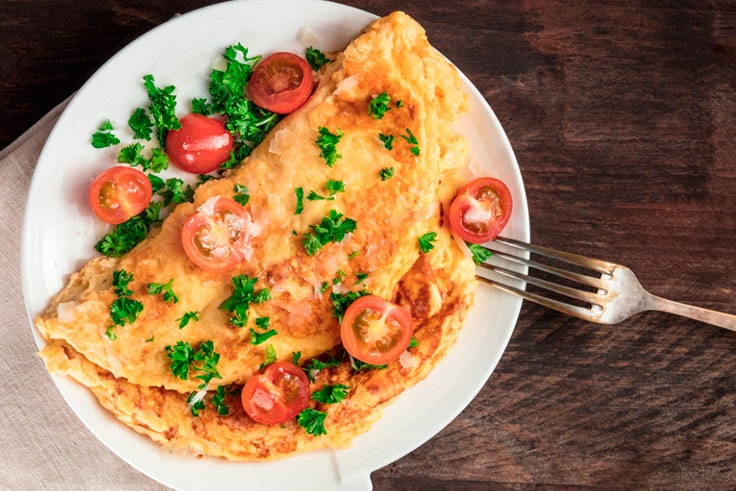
x=565, y=308
x=582, y=295
x=580, y=278
x=583, y=261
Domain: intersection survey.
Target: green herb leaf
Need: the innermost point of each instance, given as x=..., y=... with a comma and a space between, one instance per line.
x=270, y=357
x=358, y=365
x=123, y=237
x=360, y=278
x=426, y=242
x=295, y=356
x=244, y=294
x=299, y=201
x=409, y=137
x=176, y=192
x=312, y=421
x=185, y=319
x=413, y=343
x=387, y=140
x=141, y=124
x=242, y=194
x=125, y=310
x=341, y=301
x=200, y=106
x=386, y=173
x=103, y=137
x=480, y=253
x=165, y=289
x=331, y=394
x=316, y=58
x=257, y=338
x=120, y=280
x=162, y=108
x=195, y=407
x=181, y=355
x=327, y=143
x=218, y=400
x=332, y=228
x=379, y=105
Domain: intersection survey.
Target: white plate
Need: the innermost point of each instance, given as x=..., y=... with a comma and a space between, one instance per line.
x=59, y=232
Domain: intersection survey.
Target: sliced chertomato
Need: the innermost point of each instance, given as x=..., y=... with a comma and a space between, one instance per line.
x=276, y=395
x=281, y=83
x=376, y=331
x=120, y=193
x=480, y=210
x=200, y=145
x=218, y=235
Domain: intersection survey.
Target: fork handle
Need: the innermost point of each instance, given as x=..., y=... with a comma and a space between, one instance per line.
x=720, y=319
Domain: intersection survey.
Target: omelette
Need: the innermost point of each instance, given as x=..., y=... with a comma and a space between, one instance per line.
x=131, y=373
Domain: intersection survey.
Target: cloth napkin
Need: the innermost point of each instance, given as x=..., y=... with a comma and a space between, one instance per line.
x=42, y=443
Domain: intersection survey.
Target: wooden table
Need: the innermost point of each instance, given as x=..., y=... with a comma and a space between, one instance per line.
x=623, y=119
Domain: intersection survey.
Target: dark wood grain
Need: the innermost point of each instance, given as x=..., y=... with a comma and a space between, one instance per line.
x=622, y=115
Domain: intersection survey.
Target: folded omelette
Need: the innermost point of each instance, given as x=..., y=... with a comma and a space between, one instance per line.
x=130, y=373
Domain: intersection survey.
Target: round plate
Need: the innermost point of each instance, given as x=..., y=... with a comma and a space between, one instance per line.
x=59, y=232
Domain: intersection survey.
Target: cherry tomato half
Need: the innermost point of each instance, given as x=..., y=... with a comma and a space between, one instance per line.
x=480, y=210
x=200, y=145
x=281, y=83
x=120, y=193
x=217, y=237
x=376, y=331
x=276, y=395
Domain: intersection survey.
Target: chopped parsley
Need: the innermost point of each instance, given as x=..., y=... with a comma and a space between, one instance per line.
x=172, y=190
x=162, y=108
x=125, y=310
x=331, y=394
x=165, y=290
x=133, y=155
x=195, y=406
x=218, y=400
x=316, y=58
x=299, y=201
x=480, y=253
x=244, y=294
x=327, y=143
x=409, y=137
x=140, y=124
x=242, y=194
x=386, y=173
x=185, y=359
x=103, y=137
x=247, y=122
x=120, y=280
x=185, y=319
x=387, y=140
x=263, y=323
x=295, y=357
x=379, y=105
x=312, y=421
x=341, y=301
x=413, y=343
x=270, y=357
x=360, y=278
x=333, y=228
x=358, y=365
x=426, y=241
x=124, y=236
x=333, y=187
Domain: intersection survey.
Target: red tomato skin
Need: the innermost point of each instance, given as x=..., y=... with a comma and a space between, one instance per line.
x=193, y=225
x=119, y=194
x=467, y=199
x=200, y=146
x=375, y=306
x=281, y=83
x=292, y=387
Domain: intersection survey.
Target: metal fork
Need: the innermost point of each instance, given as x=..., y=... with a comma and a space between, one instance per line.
x=614, y=292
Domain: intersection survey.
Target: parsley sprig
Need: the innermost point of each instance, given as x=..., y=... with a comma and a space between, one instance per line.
x=333, y=228
x=327, y=143
x=162, y=108
x=244, y=294
x=379, y=105
x=316, y=58
x=104, y=137
x=124, y=236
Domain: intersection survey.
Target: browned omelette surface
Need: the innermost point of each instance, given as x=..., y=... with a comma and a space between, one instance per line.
x=131, y=376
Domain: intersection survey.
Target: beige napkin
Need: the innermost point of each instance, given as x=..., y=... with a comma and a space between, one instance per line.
x=42, y=443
